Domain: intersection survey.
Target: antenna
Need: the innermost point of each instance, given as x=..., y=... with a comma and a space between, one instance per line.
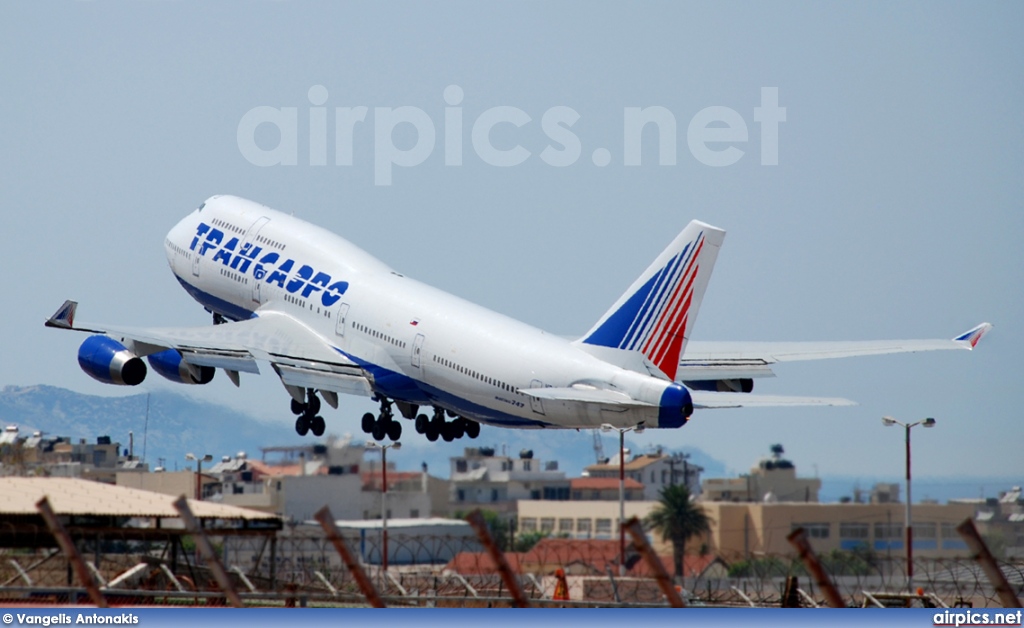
x=598, y=447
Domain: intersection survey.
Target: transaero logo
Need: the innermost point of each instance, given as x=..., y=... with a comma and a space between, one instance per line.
x=716, y=136
x=267, y=265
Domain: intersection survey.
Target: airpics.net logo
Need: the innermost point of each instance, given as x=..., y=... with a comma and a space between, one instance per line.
x=407, y=136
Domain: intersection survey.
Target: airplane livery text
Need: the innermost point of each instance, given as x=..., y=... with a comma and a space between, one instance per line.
x=305, y=282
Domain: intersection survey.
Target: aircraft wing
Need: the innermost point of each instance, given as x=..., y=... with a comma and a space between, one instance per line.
x=300, y=356
x=728, y=360
x=717, y=400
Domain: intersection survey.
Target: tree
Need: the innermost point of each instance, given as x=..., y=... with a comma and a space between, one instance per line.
x=678, y=519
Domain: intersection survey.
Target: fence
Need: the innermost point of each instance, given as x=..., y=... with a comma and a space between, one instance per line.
x=301, y=567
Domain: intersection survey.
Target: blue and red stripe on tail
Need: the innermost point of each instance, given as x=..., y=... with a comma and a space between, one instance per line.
x=655, y=316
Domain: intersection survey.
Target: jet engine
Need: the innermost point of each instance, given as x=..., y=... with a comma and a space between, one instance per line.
x=170, y=365
x=107, y=360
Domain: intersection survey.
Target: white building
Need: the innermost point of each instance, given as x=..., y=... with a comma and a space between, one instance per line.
x=481, y=479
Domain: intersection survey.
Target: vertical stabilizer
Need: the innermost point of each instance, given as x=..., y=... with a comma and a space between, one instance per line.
x=654, y=317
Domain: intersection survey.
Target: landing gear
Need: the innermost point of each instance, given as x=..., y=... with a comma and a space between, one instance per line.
x=218, y=319
x=384, y=425
x=308, y=420
x=437, y=427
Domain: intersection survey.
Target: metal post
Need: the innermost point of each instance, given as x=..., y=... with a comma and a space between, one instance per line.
x=995, y=575
x=70, y=551
x=909, y=524
x=384, y=508
x=519, y=598
x=636, y=530
x=210, y=556
x=798, y=539
x=326, y=520
x=622, y=502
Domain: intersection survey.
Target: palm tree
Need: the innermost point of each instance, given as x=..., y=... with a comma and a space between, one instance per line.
x=678, y=518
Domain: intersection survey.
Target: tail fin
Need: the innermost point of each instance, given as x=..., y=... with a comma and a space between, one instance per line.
x=654, y=317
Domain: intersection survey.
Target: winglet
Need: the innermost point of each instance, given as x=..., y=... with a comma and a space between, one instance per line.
x=973, y=336
x=64, y=317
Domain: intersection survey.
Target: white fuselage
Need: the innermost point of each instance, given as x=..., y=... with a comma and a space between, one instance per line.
x=416, y=343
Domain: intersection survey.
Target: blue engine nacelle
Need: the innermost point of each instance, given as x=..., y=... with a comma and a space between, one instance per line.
x=170, y=365
x=108, y=361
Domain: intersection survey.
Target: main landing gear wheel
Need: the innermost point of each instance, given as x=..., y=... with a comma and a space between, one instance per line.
x=422, y=422
x=448, y=432
x=298, y=407
x=368, y=422
x=302, y=425
x=318, y=426
x=394, y=430
x=472, y=428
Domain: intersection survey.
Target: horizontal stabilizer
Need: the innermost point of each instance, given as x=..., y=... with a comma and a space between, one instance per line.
x=718, y=400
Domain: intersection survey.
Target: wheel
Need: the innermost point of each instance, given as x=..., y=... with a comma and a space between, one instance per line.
x=394, y=430
x=318, y=426
x=314, y=404
x=298, y=407
x=431, y=433
x=421, y=424
x=448, y=432
x=458, y=428
x=451, y=414
x=380, y=430
x=368, y=421
x=302, y=425
x=472, y=429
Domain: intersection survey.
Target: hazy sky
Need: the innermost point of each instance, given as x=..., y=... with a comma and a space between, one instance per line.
x=894, y=210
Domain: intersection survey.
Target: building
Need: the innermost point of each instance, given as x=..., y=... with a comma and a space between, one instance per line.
x=61, y=456
x=654, y=471
x=590, y=489
x=772, y=479
x=742, y=530
x=295, y=482
x=481, y=479
x=593, y=519
x=1000, y=520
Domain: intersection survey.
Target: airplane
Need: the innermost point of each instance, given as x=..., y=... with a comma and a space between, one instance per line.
x=330, y=318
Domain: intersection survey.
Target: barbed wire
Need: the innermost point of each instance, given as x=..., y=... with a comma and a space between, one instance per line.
x=450, y=570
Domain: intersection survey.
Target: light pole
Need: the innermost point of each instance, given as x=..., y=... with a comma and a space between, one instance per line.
x=909, y=537
x=384, y=496
x=199, y=472
x=608, y=427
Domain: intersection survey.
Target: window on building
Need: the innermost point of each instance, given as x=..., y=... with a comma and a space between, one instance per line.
x=815, y=530
x=414, y=513
x=577, y=495
x=603, y=526
x=925, y=530
x=494, y=494
x=547, y=524
x=652, y=476
x=583, y=528
x=528, y=524
x=526, y=465
x=460, y=466
x=854, y=530
x=888, y=531
x=949, y=531
x=565, y=526
x=460, y=495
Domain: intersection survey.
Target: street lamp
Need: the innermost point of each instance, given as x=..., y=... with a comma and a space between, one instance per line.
x=384, y=496
x=638, y=428
x=199, y=472
x=888, y=421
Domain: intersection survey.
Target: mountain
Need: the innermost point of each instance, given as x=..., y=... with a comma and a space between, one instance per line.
x=176, y=424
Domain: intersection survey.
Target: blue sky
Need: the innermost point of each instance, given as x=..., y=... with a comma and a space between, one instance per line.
x=894, y=210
